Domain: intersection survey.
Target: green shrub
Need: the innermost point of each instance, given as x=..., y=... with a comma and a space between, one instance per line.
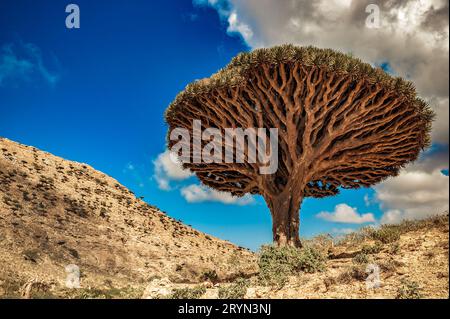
x=31, y=255
x=210, y=275
x=236, y=290
x=394, y=248
x=109, y=293
x=311, y=260
x=391, y=233
x=389, y=265
x=277, y=263
x=188, y=293
x=11, y=288
x=354, y=273
x=361, y=258
x=375, y=249
x=409, y=290
x=386, y=234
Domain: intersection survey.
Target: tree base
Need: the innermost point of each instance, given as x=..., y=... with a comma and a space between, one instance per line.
x=286, y=220
x=284, y=242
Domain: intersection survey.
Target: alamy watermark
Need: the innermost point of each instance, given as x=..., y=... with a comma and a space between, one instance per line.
x=373, y=20
x=73, y=276
x=373, y=280
x=236, y=145
x=73, y=19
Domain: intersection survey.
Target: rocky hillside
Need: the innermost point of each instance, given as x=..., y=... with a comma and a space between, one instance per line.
x=55, y=212
x=406, y=261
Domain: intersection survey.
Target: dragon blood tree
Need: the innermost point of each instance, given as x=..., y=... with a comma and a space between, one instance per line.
x=341, y=124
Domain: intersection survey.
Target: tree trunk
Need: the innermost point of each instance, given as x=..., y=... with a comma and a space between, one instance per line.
x=285, y=218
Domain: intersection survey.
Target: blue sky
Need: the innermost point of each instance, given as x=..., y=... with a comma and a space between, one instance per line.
x=98, y=94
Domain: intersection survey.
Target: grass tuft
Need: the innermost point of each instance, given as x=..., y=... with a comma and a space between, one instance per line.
x=236, y=290
x=409, y=290
x=188, y=293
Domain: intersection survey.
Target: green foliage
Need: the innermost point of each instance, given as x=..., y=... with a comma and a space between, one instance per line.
x=236, y=290
x=358, y=272
x=409, y=290
x=210, y=275
x=110, y=293
x=31, y=254
x=389, y=265
x=11, y=288
x=188, y=293
x=390, y=233
x=375, y=249
x=394, y=248
x=277, y=263
x=386, y=234
x=361, y=258
x=311, y=260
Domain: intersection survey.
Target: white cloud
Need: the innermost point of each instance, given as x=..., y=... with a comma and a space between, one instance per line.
x=235, y=25
x=413, y=37
x=392, y=216
x=200, y=193
x=342, y=231
x=345, y=214
x=226, y=13
x=440, y=124
x=22, y=62
x=414, y=194
x=167, y=167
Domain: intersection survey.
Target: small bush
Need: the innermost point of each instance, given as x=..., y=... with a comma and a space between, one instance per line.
x=329, y=282
x=93, y=293
x=188, y=293
x=210, y=275
x=354, y=273
x=311, y=260
x=110, y=293
x=409, y=290
x=277, y=263
x=11, y=288
x=389, y=266
x=236, y=290
x=31, y=255
x=375, y=249
x=361, y=258
x=394, y=249
x=386, y=234
x=391, y=233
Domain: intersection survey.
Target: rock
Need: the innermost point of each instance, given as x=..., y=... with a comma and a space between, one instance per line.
x=250, y=293
x=158, y=288
x=211, y=293
x=256, y=292
x=401, y=271
x=56, y=212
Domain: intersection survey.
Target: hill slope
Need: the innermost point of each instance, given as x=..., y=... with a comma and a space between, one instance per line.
x=55, y=212
x=411, y=261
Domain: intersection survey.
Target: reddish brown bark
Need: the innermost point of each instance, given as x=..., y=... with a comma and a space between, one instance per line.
x=284, y=209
